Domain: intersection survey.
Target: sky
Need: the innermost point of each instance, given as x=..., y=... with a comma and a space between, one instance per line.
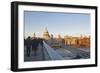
x=56, y=23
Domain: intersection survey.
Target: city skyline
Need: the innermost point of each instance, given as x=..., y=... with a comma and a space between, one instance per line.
x=56, y=23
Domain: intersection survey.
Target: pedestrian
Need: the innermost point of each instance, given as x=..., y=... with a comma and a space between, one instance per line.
x=41, y=42
x=28, y=46
x=35, y=43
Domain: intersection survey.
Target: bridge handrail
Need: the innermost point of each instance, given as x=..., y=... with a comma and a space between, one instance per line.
x=51, y=52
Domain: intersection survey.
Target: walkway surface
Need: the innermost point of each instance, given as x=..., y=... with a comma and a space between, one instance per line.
x=66, y=52
x=38, y=57
x=74, y=53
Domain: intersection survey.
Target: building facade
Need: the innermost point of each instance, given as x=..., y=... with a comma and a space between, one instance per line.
x=83, y=42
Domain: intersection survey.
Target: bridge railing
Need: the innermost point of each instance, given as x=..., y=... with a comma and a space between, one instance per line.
x=50, y=53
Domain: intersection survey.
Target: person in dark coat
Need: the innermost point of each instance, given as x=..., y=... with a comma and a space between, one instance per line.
x=41, y=42
x=35, y=44
x=28, y=46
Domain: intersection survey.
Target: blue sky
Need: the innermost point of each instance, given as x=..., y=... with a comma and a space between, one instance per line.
x=56, y=23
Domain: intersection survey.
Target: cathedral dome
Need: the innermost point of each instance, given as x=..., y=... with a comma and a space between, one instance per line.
x=46, y=34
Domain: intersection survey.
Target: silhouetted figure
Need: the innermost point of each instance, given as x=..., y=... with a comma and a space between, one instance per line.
x=41, y=42
x=42, y=49
x=35, y=43
x=28, y=46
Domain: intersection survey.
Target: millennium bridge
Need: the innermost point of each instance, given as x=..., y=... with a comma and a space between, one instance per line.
x=64, y=53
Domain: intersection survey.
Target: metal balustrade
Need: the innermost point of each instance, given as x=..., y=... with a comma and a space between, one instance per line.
x=50, y=53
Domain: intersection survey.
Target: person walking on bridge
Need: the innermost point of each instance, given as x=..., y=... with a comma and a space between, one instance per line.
x=28, y=46
x=35, y=43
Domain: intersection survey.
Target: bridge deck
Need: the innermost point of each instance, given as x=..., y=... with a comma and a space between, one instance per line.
x=38, y=57
x=48, y=53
